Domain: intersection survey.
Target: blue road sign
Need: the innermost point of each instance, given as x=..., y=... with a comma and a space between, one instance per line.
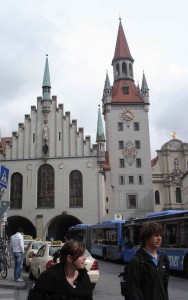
x=4, y=172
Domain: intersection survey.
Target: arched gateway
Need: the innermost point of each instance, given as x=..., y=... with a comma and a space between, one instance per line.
x=15, y=222
x=57, y=228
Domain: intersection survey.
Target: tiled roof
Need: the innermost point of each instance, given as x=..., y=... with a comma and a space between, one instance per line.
x=122, y=48
x=106, y=165
x=119, y=96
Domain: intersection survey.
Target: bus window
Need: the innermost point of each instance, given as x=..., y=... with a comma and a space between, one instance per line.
x=184, y=233
x=171, y=234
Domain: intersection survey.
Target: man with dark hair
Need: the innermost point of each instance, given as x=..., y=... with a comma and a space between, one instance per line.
x=17, y=245
x=148, y=271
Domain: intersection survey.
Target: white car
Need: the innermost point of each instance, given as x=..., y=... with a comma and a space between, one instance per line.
x=43, y=259
x=30, y=252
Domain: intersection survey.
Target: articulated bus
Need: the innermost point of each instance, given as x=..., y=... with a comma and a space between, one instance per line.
x=107, y=239
x=81, y=233
x=175, y=240
x=104, y=240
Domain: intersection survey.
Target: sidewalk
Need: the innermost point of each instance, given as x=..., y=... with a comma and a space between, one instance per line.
x=9, y=283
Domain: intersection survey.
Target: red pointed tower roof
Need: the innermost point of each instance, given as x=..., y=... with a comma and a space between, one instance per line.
x=122, y=48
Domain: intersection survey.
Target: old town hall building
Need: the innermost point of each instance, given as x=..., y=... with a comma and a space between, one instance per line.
x=58, y=179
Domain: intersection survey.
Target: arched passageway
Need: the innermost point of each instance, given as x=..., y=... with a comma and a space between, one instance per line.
x=58, y=227
x=15, y=222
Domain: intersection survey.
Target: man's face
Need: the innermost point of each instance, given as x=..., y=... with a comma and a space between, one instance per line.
x=154, y=241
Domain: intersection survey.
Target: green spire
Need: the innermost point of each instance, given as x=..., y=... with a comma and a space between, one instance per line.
x=100, y=137
x=46, y=86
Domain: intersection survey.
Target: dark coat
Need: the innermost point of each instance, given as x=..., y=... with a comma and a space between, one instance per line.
x=146, y=281
x=53, y=285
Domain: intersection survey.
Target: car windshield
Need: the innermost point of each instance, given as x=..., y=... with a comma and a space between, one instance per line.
x=37, y=246
x=53, y=249
x=26, y=242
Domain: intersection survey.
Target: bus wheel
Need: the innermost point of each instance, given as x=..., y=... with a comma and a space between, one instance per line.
x=186, y=267
x=105, y=255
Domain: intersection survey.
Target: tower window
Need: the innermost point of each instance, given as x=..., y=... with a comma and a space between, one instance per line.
x=137, y=144
x=157, y=197
x=138, y=163
x=130, y=70
x=120, y=126
x=59, y=136
x=121, y=179
x=33, y=137
x=124, y=68
x=131, y=201
x=117, y=69
x=131, y=179
x=136, y=126
x=140, y=179
x=121, y=163
x=121, y=144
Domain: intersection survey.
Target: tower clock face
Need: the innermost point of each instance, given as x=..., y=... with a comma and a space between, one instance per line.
x=128, y=114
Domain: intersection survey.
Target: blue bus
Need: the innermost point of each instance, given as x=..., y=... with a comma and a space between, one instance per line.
x=104, y=240
x=81, y=233
x=175, y=240
x=107, y=239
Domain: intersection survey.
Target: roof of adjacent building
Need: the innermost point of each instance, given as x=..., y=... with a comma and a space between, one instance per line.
x=154, y=161
x=3, y=142
x=122, y=48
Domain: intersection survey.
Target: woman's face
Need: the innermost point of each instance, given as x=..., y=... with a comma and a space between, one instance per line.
x=80, y=262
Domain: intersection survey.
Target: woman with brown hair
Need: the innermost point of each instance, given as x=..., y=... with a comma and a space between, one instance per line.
x=66, y=280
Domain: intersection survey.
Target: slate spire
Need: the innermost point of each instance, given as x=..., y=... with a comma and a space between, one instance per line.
x=46, y=85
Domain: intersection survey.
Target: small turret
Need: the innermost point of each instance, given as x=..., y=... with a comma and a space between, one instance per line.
x=145, y=92
x=46, y=86
x=107, y=92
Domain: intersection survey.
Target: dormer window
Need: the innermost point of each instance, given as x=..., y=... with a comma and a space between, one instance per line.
x=126, y=89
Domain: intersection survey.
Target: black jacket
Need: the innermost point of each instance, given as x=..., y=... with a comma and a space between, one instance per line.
x=146, y=281
x=53, y=285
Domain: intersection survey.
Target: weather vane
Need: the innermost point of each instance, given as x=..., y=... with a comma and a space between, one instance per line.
x=173, y=134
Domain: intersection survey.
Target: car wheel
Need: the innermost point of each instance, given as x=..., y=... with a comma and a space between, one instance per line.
x=31, y=274
x=26, y=268
x=104, y=255
x=186, y=267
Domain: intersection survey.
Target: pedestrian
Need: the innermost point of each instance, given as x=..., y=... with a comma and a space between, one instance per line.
x=17, y=245
x=66, y=280
x=148, y=271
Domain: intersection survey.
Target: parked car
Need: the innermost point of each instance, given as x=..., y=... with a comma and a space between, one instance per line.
x=27, y=240
x=30, y=251
x=43, y=258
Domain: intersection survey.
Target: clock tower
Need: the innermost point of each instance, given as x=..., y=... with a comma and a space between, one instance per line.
x=125, y=108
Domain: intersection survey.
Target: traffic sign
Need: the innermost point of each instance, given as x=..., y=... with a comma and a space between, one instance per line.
x=4, y=177
x=4, y=206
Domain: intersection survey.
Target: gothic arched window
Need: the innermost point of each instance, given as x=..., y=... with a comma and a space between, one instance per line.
x=45, y=191
x=117, y=69
x=124, y=68
x=178, y=195
x=75, y=189
x=157, y=197
x=16, y=191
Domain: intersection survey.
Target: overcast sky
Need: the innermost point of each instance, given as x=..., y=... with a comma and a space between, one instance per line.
x=79, y=37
